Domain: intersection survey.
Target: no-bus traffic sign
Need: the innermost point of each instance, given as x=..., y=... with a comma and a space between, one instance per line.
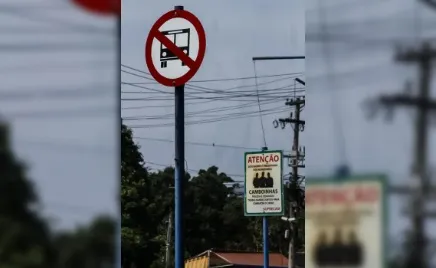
x=263, y=184
x=175, y=48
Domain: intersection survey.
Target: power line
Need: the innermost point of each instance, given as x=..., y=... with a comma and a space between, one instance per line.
x=56, y=66
x=216, y=80
x=215, y=120
x=74, y=147
x=197, y=171
x=204, y=144
x=267, y=93
x=280, y=89
x=240, y=98
x=57, y=93
x=62, y=114
x=358, y=39
x=258, y=102
x=227, y=89
x=198, y=115
x=163, y=106
x=148, y=88
x=202, y=112
x=192, y=170
x=138, y=75
x=53, y=47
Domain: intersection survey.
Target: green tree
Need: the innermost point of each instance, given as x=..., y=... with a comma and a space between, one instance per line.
x=144, y=204
x=26, y=240
x=24, y=235
x=212, y=218
x=88, y=246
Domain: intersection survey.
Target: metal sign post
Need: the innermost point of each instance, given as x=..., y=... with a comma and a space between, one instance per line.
x=265, y=243
x=174, y=51
x=263, y=195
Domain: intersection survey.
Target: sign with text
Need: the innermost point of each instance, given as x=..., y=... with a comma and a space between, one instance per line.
x=263, y=184
x=345, y=222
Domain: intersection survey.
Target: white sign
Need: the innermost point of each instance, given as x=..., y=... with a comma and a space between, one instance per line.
x=263, y=184
x=183, y=34
x=344, y=224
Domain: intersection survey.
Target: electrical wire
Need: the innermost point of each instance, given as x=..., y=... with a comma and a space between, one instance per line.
x=53, y=47
x=187, y=103
x=203, y=144
x=197, y=171
x=216, y=145
x=206, y=95
x=260, y=109
x=215, y=80
x=203, y=112
x=61, y=114
x=338, y=128
x=214, y=120
x=192, y=170
x=67, y=146
x=56, y=93
x=55, y=67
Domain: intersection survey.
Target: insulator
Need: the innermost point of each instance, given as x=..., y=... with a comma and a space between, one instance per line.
x=276, y=124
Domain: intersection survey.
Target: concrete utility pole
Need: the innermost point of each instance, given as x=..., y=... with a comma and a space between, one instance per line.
x=168, y=242
x=296, y=160
x=416, y=256
x=297, y=156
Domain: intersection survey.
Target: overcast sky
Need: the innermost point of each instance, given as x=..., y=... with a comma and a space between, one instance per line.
x=340, y=77
x=235, y=32
x=70, y=156
x=360, y=62
x=63, y=104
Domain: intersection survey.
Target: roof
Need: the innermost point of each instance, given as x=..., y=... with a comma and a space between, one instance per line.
x=211, y=258
x=198, y=262
x=253, y=258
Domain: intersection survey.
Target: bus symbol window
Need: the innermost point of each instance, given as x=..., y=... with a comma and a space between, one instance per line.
x=180, y=38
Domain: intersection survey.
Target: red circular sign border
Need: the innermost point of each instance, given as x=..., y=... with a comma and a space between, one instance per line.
x=100, y=7
x=201, y=47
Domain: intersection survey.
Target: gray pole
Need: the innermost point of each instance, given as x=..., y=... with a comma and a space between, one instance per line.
x=295, y=164
x=168, y=243
x=420, y=165
x=280, y=58
x=291, y=239
x=416, y=255
x=179, y=176
x=118, y=258
x=295, y=159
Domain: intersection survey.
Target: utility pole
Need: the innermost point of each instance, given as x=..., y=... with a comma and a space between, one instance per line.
x=296, y=156
x=296, y=161
x=423, y=56
x=168, y=243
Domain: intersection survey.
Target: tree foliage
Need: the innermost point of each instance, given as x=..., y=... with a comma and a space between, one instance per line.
x=24, y=235
x=212, y=218
x=26, y=239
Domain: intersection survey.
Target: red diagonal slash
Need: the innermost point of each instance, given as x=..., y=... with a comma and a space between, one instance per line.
x=174, y=49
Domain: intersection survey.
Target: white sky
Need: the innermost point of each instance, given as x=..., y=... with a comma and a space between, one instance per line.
x=71, y=157
x=69, y=149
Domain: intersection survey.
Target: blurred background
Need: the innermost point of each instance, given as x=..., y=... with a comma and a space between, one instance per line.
x=368, y=71
x=59, y=127
x=370, y=92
